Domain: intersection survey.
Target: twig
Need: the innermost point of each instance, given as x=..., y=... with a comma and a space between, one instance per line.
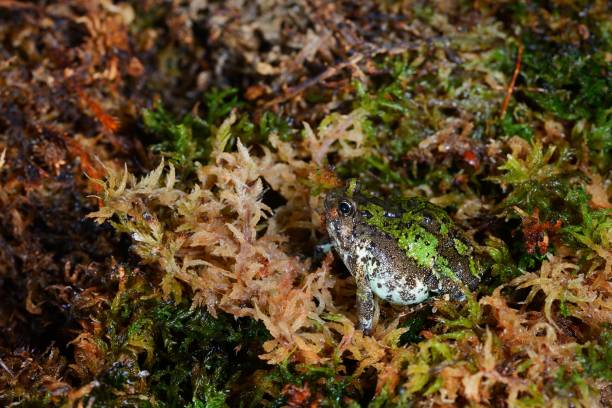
x=108, y=122
x=331, y=71
x=8, y=370
x=510, y=89
x=17, y=5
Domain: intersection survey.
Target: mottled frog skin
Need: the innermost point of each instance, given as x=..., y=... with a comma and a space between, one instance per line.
x=403, y=252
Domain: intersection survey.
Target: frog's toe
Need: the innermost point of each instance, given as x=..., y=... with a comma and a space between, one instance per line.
x=458, y=295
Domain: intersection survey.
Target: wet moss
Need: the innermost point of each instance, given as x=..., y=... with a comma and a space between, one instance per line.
x=166, y=354
x=529, y=180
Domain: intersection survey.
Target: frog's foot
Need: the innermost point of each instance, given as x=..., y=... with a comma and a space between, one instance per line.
x=321, y=250
x=459, y=292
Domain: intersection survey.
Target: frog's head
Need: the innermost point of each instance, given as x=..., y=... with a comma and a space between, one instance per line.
x=342, y=215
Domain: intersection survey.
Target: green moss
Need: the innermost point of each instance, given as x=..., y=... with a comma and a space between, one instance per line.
x=190, y=138
x=570, y=385
x=271, y=122
x=596, y=357
x=468, y=316
x=383, y=399
x=511, y=127
x=587, y=227
x=185, y=140
x=442, y=268
x=461, y=247
x=351, y=187
x=575, y=81
x=324, y=382
x=191, y=358
x=443, y=229
x=534, y=398
x=414, y=325
x=475, y=268
x=598, y=137
x=545, y=182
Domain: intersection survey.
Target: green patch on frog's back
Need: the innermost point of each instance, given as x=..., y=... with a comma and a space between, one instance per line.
x=443, y=229
x=419, y=244
x=461, y=247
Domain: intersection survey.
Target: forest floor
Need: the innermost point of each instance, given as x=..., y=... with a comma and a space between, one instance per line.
x=162, y=169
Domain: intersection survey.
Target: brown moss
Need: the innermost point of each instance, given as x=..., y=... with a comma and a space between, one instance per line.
x=429, y=83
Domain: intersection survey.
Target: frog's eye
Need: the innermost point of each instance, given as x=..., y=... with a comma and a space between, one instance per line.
x=345, y=208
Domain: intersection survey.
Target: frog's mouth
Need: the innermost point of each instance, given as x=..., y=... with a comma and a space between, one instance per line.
x=339, y=232
x=332, y=224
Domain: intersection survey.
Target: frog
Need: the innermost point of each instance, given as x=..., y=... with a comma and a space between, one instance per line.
x=404, y=252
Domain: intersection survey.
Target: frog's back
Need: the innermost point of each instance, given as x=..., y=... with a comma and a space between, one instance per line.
x=455, y=258
x=430, y=240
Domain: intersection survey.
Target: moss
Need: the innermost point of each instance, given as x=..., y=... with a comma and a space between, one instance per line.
x=420, y=245
x=475, y=268
x=511, y=127
x=431, y=123
x=442, y=142
x=443, y=229
x=461, y=247
x=596, y=357
x=190, y=139
x=589, y=226
x=288, y=384
x=503, y=267
x=576, y=80
x=415, y=324
x=442, y=268
x=190, y=357
x=185, y=141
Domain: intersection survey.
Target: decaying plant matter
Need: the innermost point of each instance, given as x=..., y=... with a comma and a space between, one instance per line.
x=162, y=168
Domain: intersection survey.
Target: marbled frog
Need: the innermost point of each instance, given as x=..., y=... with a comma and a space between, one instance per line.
x=403, y=252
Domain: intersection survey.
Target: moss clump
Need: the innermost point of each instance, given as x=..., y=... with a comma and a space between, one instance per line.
x=512, y=174
x=167, y=354
x=189, y=140
x=413, y=99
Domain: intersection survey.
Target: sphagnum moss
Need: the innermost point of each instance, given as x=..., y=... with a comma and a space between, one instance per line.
x=466, y=348
x=226, y=229
x=462, y=351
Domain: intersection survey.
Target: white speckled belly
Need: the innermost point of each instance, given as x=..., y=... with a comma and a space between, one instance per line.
x=385, y=282
x=398, y=292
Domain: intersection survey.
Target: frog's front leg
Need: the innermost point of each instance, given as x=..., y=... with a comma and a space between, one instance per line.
x=366, y=305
